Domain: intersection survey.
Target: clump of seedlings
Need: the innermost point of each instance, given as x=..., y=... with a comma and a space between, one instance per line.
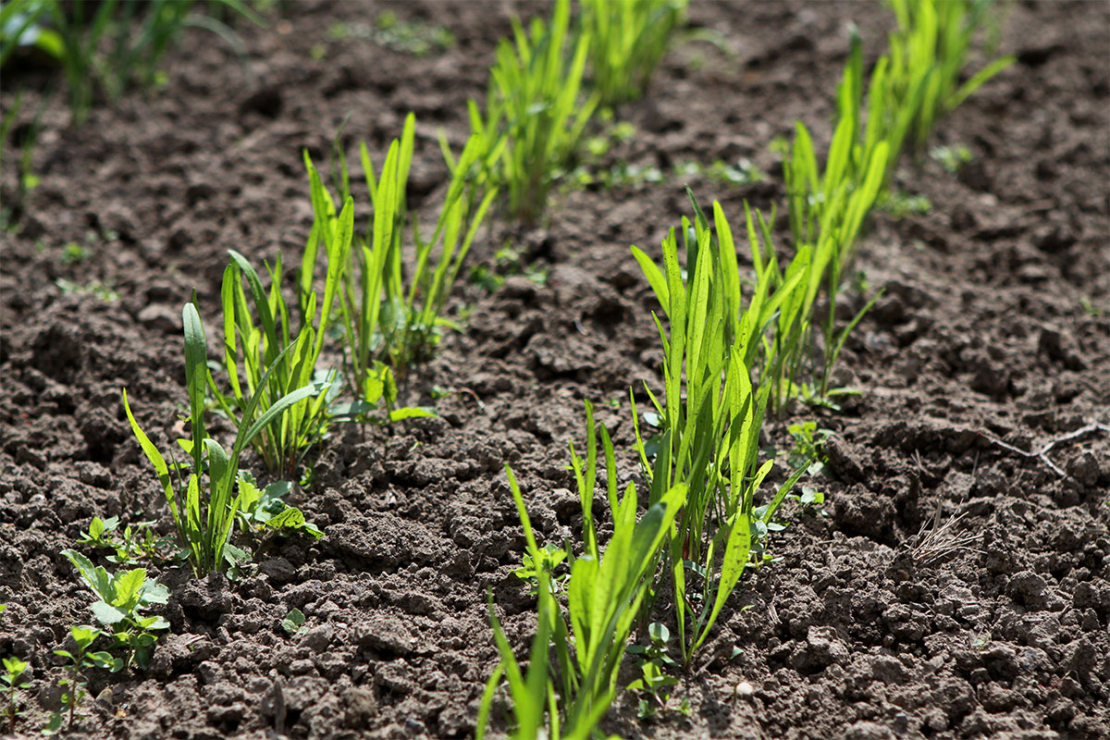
x=204, y=508
x=533, y=121
x=630, y=38
x=391, y=320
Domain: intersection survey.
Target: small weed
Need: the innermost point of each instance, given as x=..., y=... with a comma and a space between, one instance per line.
x=263, y=510
x=136, y=543
x=74, y=685
x=654, y=663
x=123, y=596
x=416, y=37
x=809, y=447
x=94, y=288
x=548, y=559
x=742, y=172
x=811, y=500
x=13, y=680
x=900, y=204
x=1089, y=308
x=73, y=253
x=951, y=158
x=293, y=622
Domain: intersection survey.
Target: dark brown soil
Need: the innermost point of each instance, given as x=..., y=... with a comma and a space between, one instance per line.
x=980, y=346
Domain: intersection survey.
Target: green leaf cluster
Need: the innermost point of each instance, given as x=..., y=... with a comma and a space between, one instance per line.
x=122, y=597
x=920, y=78
x=533, y=122
x=74, y=687
x=630, y=38
x=262, y=510
x=567, y=697
x=204, y=510
x=711, y=413
x=13, y=680
x=251, y=347
x=392, y=321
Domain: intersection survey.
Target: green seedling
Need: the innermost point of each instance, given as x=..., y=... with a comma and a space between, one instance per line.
x=567, y=698
x=809, y=447
x=123, y=596
x=506, y=261
x=811, y=500
x=900, y=204
x=135, y=544
x=951, y=158
x=204, y=520
x=28, y=180
x=293, y=622
x=533, y=122
x=550, y=556
x=390, y=322
x=73, y=253
x=742, y=172
x=262, y=510
x=13, y=678
x=711, y=414
x=74, y=691
x=414, y=37
x=250, y=348
x=654, y=664
x=928, y=57
x=629, y=39
x=94, y=288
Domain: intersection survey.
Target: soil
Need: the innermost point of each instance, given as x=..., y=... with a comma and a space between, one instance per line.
x=980, y=348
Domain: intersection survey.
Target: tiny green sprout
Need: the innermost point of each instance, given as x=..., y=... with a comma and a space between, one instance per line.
x=809, y=447
x=951, y=158
x=900, y=204
x=80, y=659
x=137, y=543
x=293, y=622
x=262, y=510
x=654, y=682
x=14, y=668
x=545, y=562
x=74, y=253
x=811, y=499
x=1089, y=308
x=94, y=288
x=318, y=52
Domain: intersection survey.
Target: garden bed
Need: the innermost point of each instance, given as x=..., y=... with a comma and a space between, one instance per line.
x=992, y=338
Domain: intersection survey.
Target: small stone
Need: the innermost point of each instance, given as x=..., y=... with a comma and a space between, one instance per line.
x=1085, y=469
x=160, y=318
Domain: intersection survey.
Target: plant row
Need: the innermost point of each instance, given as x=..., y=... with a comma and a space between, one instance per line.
x=732, y=355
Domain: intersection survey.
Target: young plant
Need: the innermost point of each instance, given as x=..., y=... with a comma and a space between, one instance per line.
x=74, y=684
x=137, y=543
x=654, y=680
x=13, y=679
x=711, y=417
x=390, y=322
x=928, y=55
x=262, y=510
x=629, y=39
x=287, y=438
x=827, y=213
x=123, y=596
x=204, y=520
x=567, y=698
x=533, y=122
